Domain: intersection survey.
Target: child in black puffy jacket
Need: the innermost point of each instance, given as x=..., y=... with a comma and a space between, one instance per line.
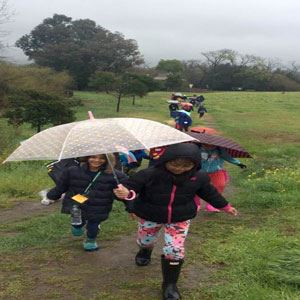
x=167, y=199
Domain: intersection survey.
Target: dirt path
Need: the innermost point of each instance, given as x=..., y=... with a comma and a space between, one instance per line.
x=25, y=210
x=68, y=272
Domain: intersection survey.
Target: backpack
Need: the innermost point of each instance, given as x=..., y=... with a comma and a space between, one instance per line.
x=56, y=168
x=184, y=119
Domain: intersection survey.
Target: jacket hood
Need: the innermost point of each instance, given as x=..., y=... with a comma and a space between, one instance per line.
x=183, y=150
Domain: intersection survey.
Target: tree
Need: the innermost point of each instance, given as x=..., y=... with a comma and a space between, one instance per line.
x=46, y=80
x=216, y=63
x=174, y=82
x=102, y=81
x=38, y=109
x=172, y=66
x=136, y=87
x=120, y=85
x=292, y=71
x=194, y=72
x=215, y=58
x=151, y=84
x=253, y=78
x=280, y=82
x=80, y=47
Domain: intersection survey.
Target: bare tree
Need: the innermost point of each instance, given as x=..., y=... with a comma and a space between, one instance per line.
x=215, y=58
x=250, y=60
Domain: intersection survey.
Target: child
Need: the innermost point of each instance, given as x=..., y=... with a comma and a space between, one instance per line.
x=183, y=120
x=201, y=110
x=130, y=167
x=199, y=100
x=212, y=162
x=155, y=154
x=96, y=209
x=172, y=108
x=166, y=198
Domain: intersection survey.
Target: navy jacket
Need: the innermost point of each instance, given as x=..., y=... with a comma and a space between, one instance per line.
x=74, y=180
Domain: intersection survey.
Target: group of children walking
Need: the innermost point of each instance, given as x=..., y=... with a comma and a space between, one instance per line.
x=180, y=108
x=163, y=197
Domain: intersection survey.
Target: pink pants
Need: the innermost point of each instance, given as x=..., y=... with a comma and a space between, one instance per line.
x=175, y=235
x=219, y=180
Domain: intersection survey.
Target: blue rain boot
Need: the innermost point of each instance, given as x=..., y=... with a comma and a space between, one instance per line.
x=90, y=245
x=77, y=231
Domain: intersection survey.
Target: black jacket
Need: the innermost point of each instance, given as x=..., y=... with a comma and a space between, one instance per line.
x=166, y=198
x=74, y=180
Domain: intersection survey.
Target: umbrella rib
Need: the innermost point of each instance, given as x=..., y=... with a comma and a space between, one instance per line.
x=65, y=142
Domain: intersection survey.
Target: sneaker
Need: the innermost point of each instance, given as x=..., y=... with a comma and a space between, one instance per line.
x=77, y=231
x=47, y=201
x=90, y=245
x=62, y=196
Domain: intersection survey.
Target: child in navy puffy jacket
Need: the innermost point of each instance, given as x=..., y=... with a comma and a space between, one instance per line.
x=100, y=197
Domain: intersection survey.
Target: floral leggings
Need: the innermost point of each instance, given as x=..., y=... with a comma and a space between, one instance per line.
x=175, y=235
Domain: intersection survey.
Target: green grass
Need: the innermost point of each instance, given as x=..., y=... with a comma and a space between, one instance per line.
x=45, y=231
x=246, y=253
x=254, y=256
x=22, y=180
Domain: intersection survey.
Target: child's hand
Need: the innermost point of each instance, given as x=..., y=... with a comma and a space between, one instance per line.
x=231, y=210
x=121, y=191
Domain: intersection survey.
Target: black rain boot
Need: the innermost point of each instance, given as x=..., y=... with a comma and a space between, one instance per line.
x=170, y=271
x=143, y=257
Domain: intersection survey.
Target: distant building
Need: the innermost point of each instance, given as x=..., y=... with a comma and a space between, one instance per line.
x=160, y=77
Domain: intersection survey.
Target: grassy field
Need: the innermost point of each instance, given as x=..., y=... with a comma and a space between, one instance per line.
x=253, y=256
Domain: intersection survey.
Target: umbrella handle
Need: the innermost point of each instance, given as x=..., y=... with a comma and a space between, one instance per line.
x=91, y=116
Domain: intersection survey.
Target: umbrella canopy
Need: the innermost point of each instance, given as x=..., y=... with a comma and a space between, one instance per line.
x=233, y=148
x=97, y=136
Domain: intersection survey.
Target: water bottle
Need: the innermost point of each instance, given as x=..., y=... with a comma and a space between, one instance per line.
x=76, y=215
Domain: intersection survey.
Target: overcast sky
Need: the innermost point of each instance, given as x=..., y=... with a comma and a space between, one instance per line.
x=177, y=29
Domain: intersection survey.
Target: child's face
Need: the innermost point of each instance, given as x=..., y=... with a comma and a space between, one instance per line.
x=179, y=165
x=96, y=161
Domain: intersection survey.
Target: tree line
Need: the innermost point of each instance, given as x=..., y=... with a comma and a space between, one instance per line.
x=228, y=70
x=69, y=54
x=84, y=48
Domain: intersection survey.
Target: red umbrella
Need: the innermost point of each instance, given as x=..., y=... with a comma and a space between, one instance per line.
x=233, y=148
x=204, y=130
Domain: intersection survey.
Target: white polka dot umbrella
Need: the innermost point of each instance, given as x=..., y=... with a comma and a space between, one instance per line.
x=97, y=136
